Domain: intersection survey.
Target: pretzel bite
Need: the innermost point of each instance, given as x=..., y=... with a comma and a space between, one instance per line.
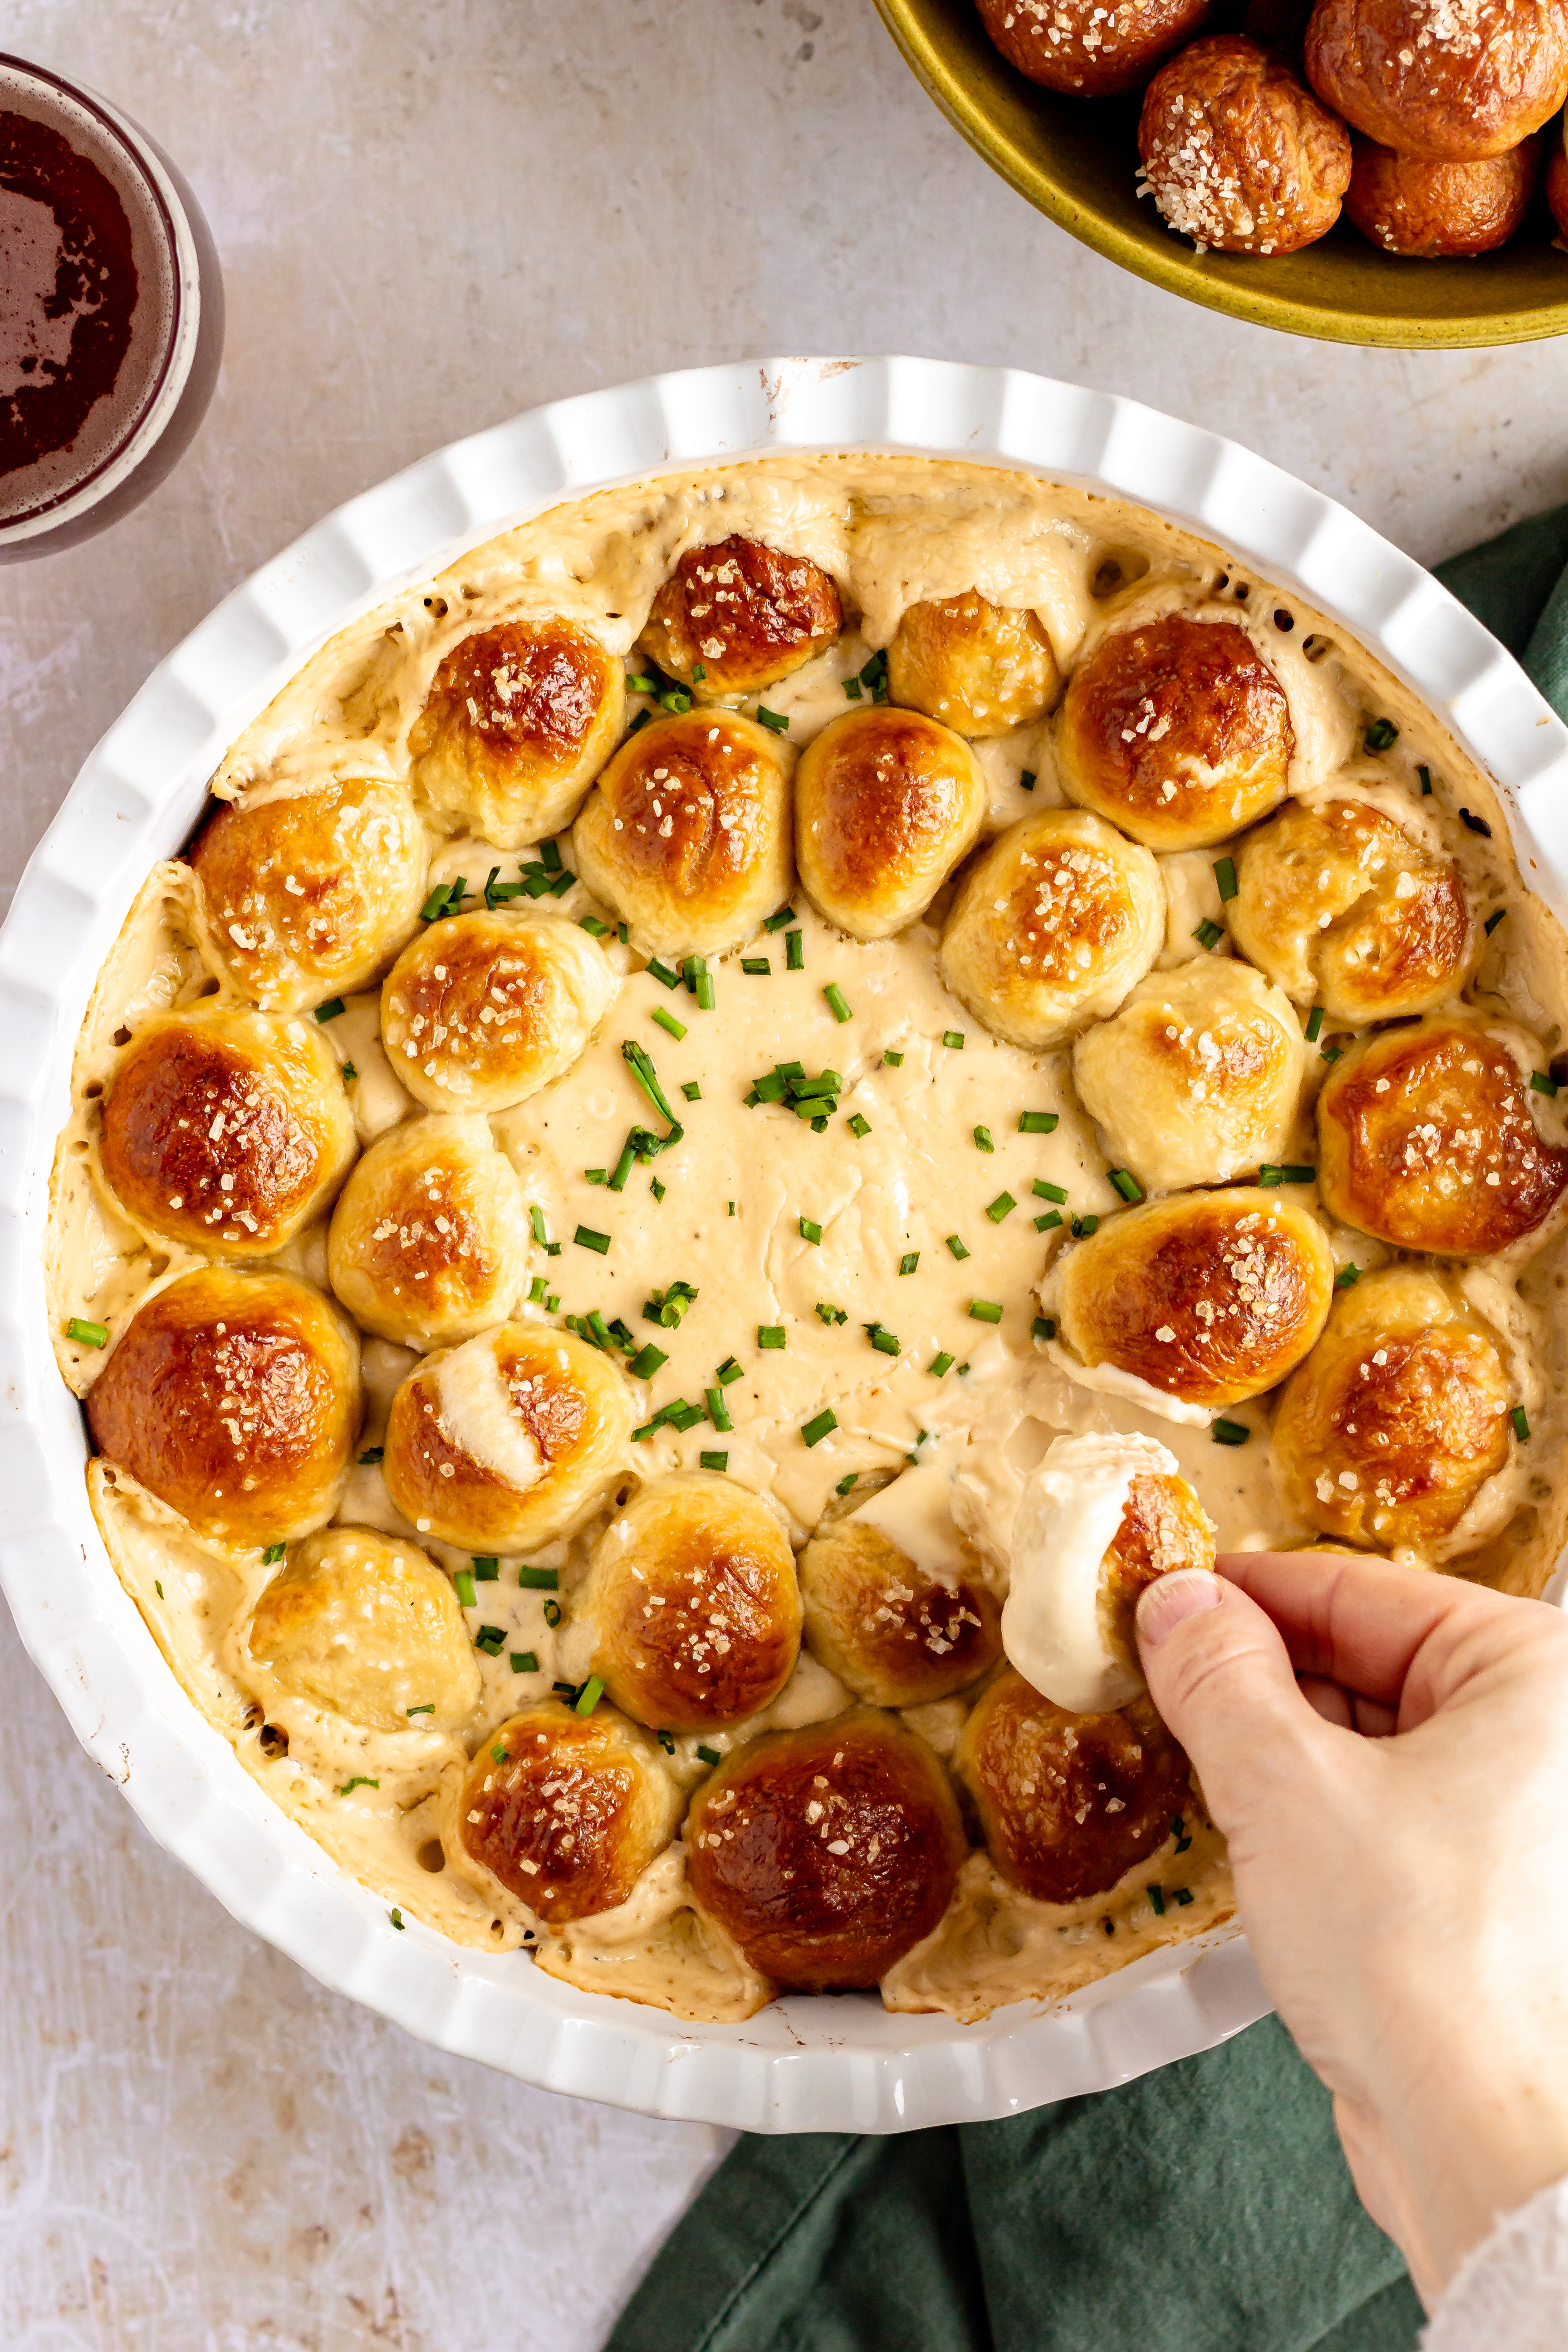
x=1069, y=1802
x=694, y=1602
x=741, y=612
x=1212, y=1297
x=311, y=895
x=1426, y=1138
x=482, y=1010
x=1430, y=78
x=1177, y=731
x=1556, y=186
x=226, y=1130
x=508, y=1440
x=518, y=721
x=565, y=1812
x=686, y=835
x=885, y=804
x=1052, y=926
x=978, y=666
x=1238, y=153
x=1100, y=1517
x=1198, y=1078
x=1345, y=909
x=1389, y=1430
x=1432, y=211
x=235, y=1398
x=1086, y=49
x=826, y=1854
x=895, y=1633
x=430, y=1239
x=366, y=1627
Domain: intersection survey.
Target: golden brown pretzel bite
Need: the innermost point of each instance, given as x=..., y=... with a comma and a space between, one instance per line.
x=885, y=804
x=367, y=1627
x=978, y=668
x=430, y=1240
x=1435, y=211
x=743, y=614
x=1086, y=49
x=1430, y=78
x=826, y=1854
x=482, y=1010
x=518, y=721
x=895, y=1633
x=1238, y=154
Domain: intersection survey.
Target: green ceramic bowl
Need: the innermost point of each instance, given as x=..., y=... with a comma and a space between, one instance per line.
x=1076, y=158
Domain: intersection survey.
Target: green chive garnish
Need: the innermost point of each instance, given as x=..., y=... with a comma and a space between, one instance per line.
x=884, y=1341
x=360, y=1781
x=1521, y=1425
x=1044, y=1191
x=331, y=1010
x=1038, y=1122
x=710, y=1756
x=760, y=967
x=647, y=1361
x=592, y=1691
x=1347, y=1278
x=524, y=1661
x=586, y=1238
x=835, y=1004
x=859, y=1125
x=463, y=1586
x=1224, y=874
x=592, y=925
x=1002, y=1206
x=1028, y=779
x=819, y=1426
x=810, y=1231
x=371, y=1456
x=1209, y=934
x=1083, y=1226
x=713, y=1461
x=429, y=1707
x=940, y=1364
x=1049, y=1222
x=349, y=1074
x=1425, y=776
x=774, y=721
x=1542, y=1082
x=668, y=1020
x=776, y=922
x=718, y=1411
x=662, y=973
x=1381, y=734
x=87, y=1335
x=273, y=1554
x=794, y=951
x=956, y=1246
x=849, y=1479
x=1126, y=1184
x=893, y=1061
x=1042, y=1328
x=770, y=1335
x=1315, y=1024
x=982, y=1139
x=908, y=1261
x=1157, y=1897
x=984, y=1310
x=485, y=1568
x=539, y=1579
x=953, y=1037
x=728, y=1370
x=552, y=1613
x=826, y=1314
x=1229, y=1432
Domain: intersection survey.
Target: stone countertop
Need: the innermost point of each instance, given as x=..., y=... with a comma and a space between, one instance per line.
x=430, y=218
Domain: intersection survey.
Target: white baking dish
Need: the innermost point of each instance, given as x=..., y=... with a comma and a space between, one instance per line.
x=803, y=2064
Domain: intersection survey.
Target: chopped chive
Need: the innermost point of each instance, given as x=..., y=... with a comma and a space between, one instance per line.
x=1042, y=1328
x=1425, y=776
x=831, y=1315
x=1521, y=1425
x=1347, y=1278
x=851, y=1478
x=1049, y=1222
x=647, y=1361
x=859, y=1125
x=940, y=1365
x=592, y=1692
x=883, y=1340
x=553, y=1301
x=1381, y=734
x=273, y=1554
x=1229, y=1432
x=524, y=1661
x=349, y=1074
x=1299, y=1175
x=984, y=1310
x=1126, y=1184
x=1493, y=920
x=835, y=1004
x=592, y=925
x=360, y=1781
x=794, y=951
x=463, y=1586
x=666, y=1021
x=956, y=1246
x=550, y=857
x=87, y=1335
x=485, y=1568
x=434, y=905
x=728, y=1370
x=371, y=1456
x=910, y=1260
x=551, y=1612
x=1315, y=1024
x=982, y=1139
x=1157, y=1897
x=893, y=1061
x=586, y=1238
x=776, y=922
x=1044, y=1191
x=624, y=1166
x=158, y=1587
x=1224, y=874
x=331, y=1010
x=775, y=722
x=646, y=1076
x=596, y=1176
x=427, y=1707
x=622, y=934
x=819, y=1426
x=536, y=1218
x=1329, y=1053
x=657, y=1188
x=691, y=1090
x=662, y=973
x=539, y=1579
x=1182, y=1834
x=1038, y=1122
x=1476, y=824
x=536, y=1290
x=810, y=1231
x=1270, y=1175
x=852, y=689
x=1181, y=1895
x=1208, y=933
x=698, y=672
x=760, y=967
x=1028, y=779
x=666, y=1741
x=710, y=1756
x=717, y=1411
x=874, y=676
x=713, y=1461
x=770, y=1335
x=1082, y=1227
x=953, y=1037
x=396, y=1915
x=1002, y=1206
x=1542, y=1082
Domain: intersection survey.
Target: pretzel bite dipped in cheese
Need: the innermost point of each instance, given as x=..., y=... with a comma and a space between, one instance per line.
x=1069, y=1802
x=887, y=802
x=1086, y=49
x=1176, y=729
x=1428, y=1137
x=562, y=1812
x=826, y=1854
x=687, y=833
x=1426, y=78
x=693, y=1598
x=517, y=723
x=233, y=1397
x=895, y=1603
x=1433, y=211
x=309, y=894
x=508, y=1440
x=978, y=668
x=1052, y=926
x=1238, y=153
x=430, y=1240
x=1345, y=909
x=740, y=616
x=481, y=1010
x=224, y=1129
x=1100, y=1517
x=1207, y=1298
x=1389, y=1430
x=1198, y=1078
x=365, y=1627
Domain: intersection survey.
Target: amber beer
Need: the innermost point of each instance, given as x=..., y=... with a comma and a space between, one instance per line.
x=111, y=312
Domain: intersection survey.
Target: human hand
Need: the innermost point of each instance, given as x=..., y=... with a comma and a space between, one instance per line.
x=1386, y=1753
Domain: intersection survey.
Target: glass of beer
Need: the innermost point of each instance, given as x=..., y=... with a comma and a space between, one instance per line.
x=111, y=312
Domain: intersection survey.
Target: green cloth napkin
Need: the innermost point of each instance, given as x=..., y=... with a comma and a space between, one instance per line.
x=1204, y=2207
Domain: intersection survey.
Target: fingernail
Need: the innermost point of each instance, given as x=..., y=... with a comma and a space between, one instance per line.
x=1162, y=1605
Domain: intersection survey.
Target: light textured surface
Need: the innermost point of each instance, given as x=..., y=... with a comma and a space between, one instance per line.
x=429, y=219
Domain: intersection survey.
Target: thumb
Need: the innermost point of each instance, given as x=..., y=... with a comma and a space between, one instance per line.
x=1222, y=1679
